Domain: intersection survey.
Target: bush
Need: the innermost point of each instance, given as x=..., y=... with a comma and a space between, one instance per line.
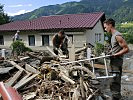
x=128, y=38
x=99, y=48
x=18, y=47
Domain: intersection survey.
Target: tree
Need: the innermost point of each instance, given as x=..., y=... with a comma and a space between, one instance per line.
x=4, y=18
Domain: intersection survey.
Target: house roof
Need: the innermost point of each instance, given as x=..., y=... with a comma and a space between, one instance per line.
x=68, y=21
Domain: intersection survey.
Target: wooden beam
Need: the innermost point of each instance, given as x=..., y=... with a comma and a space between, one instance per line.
x=51, y=51
x=25, y=81
x=65, y=78
x=14, y=78
x=22, y=80
x=72, y=53
x=16, y=65
x=80, y=49
x=33, y=56
x=30, y=69
x=24, y=58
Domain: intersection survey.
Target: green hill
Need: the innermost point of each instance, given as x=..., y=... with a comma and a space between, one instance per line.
x=120, y=10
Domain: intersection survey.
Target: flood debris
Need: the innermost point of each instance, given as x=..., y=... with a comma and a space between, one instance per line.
x=42, y=75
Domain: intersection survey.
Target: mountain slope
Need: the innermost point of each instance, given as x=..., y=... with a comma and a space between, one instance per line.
x=120, y=10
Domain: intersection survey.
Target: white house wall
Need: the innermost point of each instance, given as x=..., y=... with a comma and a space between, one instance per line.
x=8, y=39
x=90, y=34
x=79, y=38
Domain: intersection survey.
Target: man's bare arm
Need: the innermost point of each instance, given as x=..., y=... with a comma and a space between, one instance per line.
x=124, y=46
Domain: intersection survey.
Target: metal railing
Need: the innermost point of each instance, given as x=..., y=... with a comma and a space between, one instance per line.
x=92, y=63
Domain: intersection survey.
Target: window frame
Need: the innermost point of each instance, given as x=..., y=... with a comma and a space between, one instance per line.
x=43, y=42
x=29, y=41
x=1, y=40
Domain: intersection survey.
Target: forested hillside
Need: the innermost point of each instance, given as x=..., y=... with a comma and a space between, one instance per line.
x=120, y=10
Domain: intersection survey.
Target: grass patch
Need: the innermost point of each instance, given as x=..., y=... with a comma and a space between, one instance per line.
x=127, y=25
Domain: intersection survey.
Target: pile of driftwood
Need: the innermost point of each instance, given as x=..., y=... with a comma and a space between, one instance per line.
x=45, y=76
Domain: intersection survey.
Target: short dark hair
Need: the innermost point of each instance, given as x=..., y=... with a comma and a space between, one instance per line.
x=110, y=21
x=62, y=32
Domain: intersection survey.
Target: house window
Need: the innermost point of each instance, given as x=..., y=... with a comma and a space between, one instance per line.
x=1, y=40
x=70, y=37
x=31, y=40
x=45, y=40
x=97, y=37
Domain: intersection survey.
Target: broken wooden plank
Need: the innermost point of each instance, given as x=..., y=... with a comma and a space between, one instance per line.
x=24, y=58
x=60, y=98
x=64, y=70
x=72, y=53
x=65, y=78
x=80, y=49
x=76, y=95
x=51, y=51
x=30, y=69
x=82, y=89
x=91, y=95
x=47, y=59
x=25, y=82
x=33, y=56
x=22, y=80
x=29, y=96
x=14, y=78
x=84, y=69
x=16, y=65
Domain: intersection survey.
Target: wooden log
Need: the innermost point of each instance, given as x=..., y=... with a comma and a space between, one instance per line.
x=80, y=49
x=82, y=89
x=90, y=96
x=65, y=78
x=76, y=95
x=84, y=69
x=24, y=58
x=48, y=59
x=33, y=56
x=60, y=98
x=29, y=96
x=64, y=70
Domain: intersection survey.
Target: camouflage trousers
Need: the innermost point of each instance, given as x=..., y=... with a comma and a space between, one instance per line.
x=115, y=86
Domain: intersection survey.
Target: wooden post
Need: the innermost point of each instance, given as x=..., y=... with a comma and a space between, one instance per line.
x=72, y=53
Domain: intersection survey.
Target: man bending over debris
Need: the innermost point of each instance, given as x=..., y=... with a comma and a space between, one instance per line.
x=60, y=42
x=119, y=47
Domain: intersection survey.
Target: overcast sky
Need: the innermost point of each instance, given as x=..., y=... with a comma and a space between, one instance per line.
x=17, y=7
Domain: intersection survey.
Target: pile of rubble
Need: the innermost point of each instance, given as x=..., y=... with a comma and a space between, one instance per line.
x=45, y=76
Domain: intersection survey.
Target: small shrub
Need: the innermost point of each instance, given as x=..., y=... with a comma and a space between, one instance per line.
x=128, y=38
x=18, y=47
x=99, y=48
